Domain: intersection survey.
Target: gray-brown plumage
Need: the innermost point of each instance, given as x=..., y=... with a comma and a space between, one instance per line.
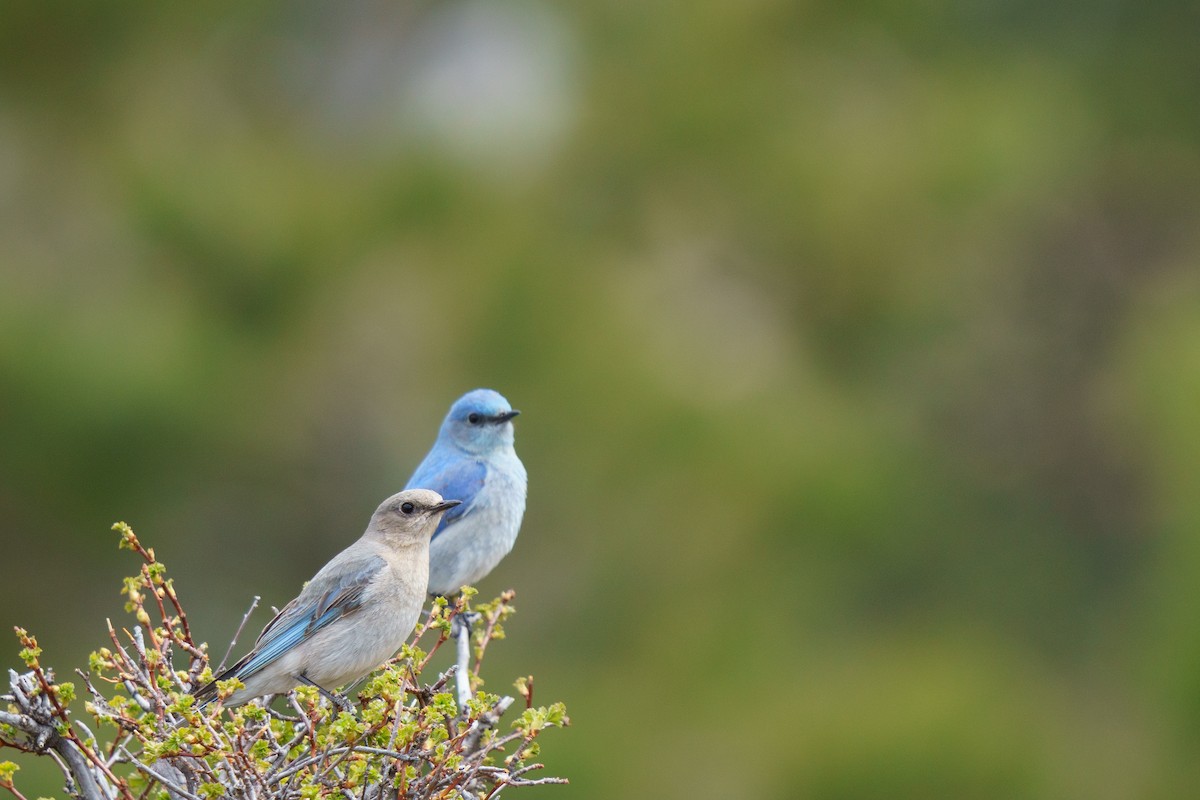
x=354, y=614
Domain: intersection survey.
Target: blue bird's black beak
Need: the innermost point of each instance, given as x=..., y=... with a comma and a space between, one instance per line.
x=500, y=419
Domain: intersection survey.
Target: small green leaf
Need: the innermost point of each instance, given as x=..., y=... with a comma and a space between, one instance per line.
x=211, y=790
x=30, y=656
x=261, y=749
x=226, y=688
x=182, y=703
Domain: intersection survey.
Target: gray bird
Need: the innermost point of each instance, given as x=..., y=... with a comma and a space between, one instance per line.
x=354, y=614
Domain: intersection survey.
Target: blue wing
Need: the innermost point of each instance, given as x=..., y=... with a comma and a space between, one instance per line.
x=454, y=479
x=321, y=603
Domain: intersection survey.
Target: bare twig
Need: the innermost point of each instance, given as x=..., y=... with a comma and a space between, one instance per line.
x=175, y=787
x=43, y=736
x=232, y=642
x=485, y=723
x=463, y=636
x=493, y=619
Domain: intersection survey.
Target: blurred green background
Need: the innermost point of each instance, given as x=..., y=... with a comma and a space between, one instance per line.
x=858, y=348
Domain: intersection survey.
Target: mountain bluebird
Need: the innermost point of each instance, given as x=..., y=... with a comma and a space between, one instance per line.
x=354, y=614
x=473, y=460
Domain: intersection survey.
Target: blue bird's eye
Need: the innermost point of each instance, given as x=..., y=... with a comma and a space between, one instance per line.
x=407, y=508
x=473, y=418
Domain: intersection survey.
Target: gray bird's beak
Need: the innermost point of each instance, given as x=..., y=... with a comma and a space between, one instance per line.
x=445, y=505
x=505, y=417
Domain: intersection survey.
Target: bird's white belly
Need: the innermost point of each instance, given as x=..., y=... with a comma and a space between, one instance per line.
x=339, y=654
x=470, y=548
x=350, y=652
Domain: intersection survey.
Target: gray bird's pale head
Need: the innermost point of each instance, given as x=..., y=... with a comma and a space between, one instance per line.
x=411, y=515
x=479, y=422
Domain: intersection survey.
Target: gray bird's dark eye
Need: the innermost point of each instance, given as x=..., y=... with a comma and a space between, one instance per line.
x=473, y=418
x=407, y=508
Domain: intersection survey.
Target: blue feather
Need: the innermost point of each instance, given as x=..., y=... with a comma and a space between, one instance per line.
x=298, y=622
x=460, y=479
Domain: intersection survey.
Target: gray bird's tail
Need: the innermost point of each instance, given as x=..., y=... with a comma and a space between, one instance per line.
x=208, y=692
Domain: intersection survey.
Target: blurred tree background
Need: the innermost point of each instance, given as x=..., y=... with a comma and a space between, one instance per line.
x=858, y=345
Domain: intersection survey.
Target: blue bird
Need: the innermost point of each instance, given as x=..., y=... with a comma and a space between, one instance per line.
x=473, y=460
x=353, y=615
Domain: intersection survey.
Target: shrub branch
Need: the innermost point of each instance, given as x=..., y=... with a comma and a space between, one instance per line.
x=405, y=739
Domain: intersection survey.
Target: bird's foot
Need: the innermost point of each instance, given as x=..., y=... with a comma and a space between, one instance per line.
x=463, y=623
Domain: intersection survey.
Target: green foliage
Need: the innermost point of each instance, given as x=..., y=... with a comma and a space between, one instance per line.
x=406, y=738
x=844, y=332
x=30, y=656
x=534, y=720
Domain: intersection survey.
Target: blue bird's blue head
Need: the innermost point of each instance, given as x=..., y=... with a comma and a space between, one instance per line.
x=479, y=422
